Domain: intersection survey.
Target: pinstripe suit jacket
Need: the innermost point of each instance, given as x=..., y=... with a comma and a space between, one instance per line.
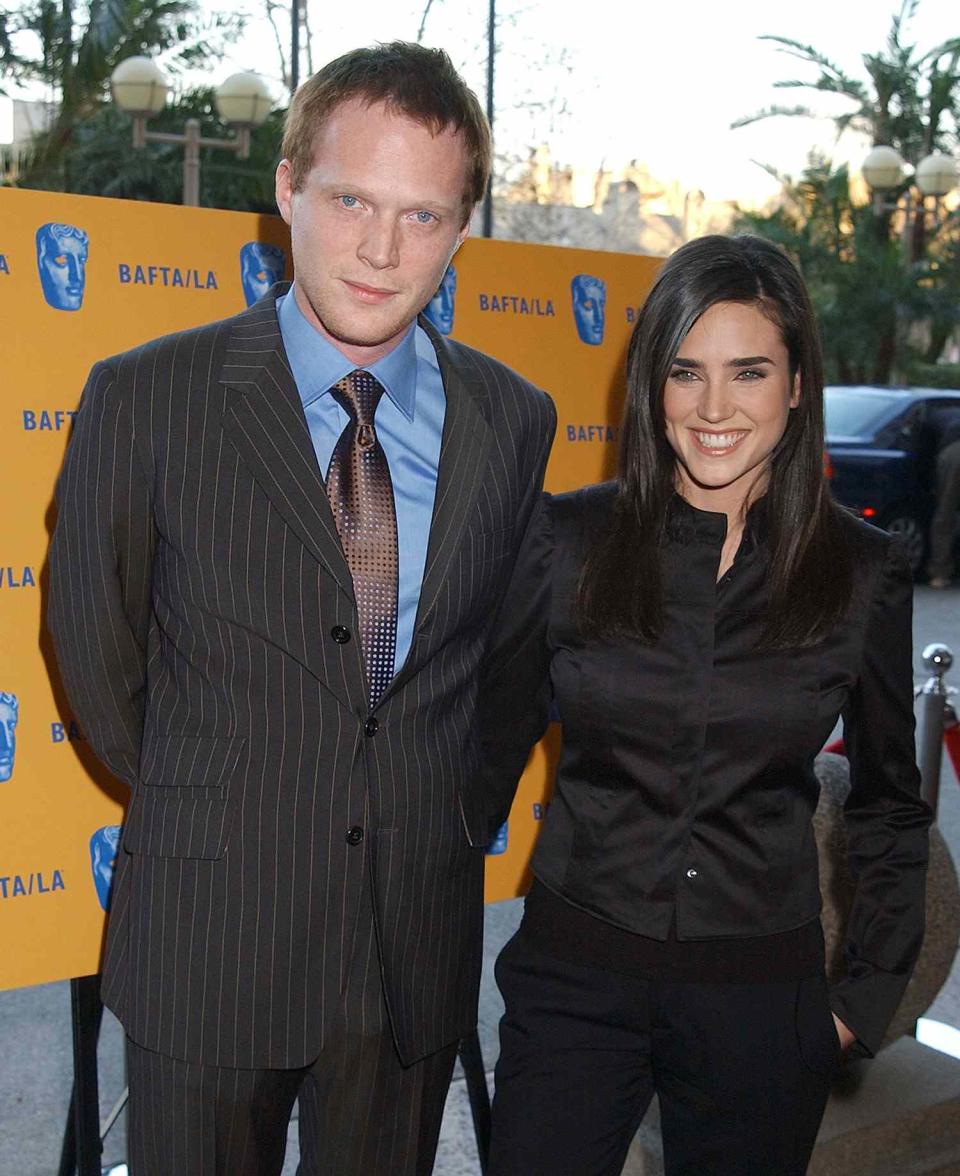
x=196, y=575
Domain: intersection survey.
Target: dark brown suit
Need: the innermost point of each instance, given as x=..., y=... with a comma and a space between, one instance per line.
x=196, y=580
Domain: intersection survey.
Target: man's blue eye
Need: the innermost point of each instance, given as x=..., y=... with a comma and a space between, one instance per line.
x=348, y=201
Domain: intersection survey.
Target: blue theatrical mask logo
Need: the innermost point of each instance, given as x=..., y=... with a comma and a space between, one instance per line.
x=9, y=717
x=499, y=842
x=441, y=307
x=589, y=297
x=103, y=858
x=62, y=264
x=261, y=266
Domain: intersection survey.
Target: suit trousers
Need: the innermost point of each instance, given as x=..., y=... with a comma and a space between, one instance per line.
x=361, y=1111
x=742, y=1070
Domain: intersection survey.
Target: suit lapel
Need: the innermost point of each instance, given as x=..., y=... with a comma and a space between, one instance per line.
x=264, y=419
x=467, y=436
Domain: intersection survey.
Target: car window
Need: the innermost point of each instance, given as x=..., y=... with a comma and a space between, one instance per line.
x=903, y=432
x=852, y=412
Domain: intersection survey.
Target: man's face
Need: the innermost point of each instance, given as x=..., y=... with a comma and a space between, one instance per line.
x=375, y=225
x=62, y=262
x=8, y=737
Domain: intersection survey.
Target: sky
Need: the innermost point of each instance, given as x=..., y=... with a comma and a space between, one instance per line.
x=604, y=83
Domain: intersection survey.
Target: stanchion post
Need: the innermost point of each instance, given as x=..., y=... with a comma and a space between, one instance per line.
x=937, y=660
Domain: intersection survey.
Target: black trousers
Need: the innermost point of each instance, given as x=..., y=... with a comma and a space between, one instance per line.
x=742, y=1071
x=361, y=1111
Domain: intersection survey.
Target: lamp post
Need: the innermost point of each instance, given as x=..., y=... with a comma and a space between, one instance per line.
x=884, y=171
x=140, y=89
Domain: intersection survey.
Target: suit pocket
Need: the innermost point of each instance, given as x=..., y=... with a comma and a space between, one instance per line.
x=182, y=806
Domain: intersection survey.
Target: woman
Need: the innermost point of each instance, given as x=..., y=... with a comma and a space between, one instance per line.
x=701, y=623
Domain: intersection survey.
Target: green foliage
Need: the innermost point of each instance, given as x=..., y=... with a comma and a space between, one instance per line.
x=863, y=293
x=72, y=51
x=103, y=162
x=881, y=281
x=912, y=101
x=934, y=375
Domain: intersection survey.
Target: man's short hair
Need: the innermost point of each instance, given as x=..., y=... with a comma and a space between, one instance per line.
x=409, y=79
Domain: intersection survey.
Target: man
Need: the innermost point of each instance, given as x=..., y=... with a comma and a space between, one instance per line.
x=944, y=423
x=281, y=544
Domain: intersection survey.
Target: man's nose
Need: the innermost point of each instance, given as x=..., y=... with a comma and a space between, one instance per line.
x=380, y=246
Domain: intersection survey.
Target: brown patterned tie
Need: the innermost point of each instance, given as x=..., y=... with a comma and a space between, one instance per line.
x=361, y=498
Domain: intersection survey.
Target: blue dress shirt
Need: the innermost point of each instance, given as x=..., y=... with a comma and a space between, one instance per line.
x=409, y=424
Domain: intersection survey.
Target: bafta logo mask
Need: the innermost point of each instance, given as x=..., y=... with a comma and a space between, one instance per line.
x=261, y=266
x=589, y=297
x=62, y=264
x=440, y=309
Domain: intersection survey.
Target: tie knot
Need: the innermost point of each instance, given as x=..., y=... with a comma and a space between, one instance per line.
x=358, y=394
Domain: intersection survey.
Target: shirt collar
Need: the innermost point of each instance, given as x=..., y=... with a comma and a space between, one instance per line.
x=317, y=364
x=686, y=522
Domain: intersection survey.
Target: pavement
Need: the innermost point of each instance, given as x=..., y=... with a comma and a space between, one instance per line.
x=35, y=1032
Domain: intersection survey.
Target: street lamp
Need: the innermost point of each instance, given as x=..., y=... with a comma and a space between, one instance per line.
x=934, y=176
x=140, y=89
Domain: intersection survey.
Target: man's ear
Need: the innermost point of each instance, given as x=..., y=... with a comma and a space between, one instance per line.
x=464, y=232
x=284, y=190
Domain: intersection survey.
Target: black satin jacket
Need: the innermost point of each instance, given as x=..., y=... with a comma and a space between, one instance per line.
x=685, y=788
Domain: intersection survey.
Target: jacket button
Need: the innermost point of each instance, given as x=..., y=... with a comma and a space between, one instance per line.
x=693, y=873
x=371, y=727
x=340, y=634
x=354, y=835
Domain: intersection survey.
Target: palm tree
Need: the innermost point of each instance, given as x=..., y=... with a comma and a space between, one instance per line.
x=76, y=57
x=870, y=289
x=912, y=102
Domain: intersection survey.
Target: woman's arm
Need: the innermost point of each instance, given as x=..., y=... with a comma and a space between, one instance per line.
x=515, y=683
x=886, y=821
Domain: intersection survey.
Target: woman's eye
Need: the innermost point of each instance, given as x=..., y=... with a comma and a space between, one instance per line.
x=751, y=374
x=684, y=375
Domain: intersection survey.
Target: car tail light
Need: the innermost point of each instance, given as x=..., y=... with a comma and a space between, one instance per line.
x=827, y=465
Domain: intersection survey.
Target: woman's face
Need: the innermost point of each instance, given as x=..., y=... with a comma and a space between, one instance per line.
x=726, y=403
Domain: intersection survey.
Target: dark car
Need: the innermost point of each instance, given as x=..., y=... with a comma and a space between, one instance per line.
x=880, y=457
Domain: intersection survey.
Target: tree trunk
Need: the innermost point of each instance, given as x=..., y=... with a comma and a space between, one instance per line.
x=885, y=356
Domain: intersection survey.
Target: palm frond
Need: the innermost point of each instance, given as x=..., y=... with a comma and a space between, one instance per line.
x=773, y=112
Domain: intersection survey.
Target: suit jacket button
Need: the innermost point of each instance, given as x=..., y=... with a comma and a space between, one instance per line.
x=340, y=634
x=354, y=835
x=371, y=727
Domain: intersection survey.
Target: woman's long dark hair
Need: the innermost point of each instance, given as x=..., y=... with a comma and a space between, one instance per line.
x=809, y=577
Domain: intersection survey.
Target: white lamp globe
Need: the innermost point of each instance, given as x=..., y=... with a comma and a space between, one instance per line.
x=936, y=174
x=139, y=86
x=883, y=169
x=243, y=100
